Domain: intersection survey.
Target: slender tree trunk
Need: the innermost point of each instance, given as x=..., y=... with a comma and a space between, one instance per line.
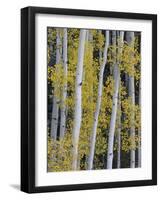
x=78, y=97
x=55, y=109
x=98, y=105
x=64, y=92
x=121, y=39
x=119, y=135
x=113, y=118
x=139, y=131
x=116, y=72
x=87, y=35
x=130, y=41
x=132, y=128
x=86, y=42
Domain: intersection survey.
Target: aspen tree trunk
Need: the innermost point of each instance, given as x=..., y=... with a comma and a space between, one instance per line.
x=55, y=109
x=87, y=35
x=130, y=41
x=78, y=98
x=90, y=37
x=119, y=136
x=64, y=92
x=86, y=42
x=116, y=72
x=139, y=131
x=121, y=39
x=98, y=105
x=112, y=42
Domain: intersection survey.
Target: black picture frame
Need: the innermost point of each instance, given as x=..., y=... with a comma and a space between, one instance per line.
x=28, y=98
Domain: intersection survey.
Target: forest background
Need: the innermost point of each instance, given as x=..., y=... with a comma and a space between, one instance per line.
x=94, y=99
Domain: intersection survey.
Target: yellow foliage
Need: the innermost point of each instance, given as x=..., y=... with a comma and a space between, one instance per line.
x=60, y=151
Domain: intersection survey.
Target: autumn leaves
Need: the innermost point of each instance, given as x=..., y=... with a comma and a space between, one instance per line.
x=93, y=84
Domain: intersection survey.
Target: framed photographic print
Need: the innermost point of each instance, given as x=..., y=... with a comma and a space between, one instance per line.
x=88, y=99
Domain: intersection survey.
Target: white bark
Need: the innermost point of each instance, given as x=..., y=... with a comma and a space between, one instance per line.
x=78, y=97
x=113, y=118
x=130, y=41
x=119, y=136
x=64, y=92
x=116, y=72
x=98, y=105
x=87, y=35
x=55, y=109
x=90, y=37
x=139, y=131
x=121, y=38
